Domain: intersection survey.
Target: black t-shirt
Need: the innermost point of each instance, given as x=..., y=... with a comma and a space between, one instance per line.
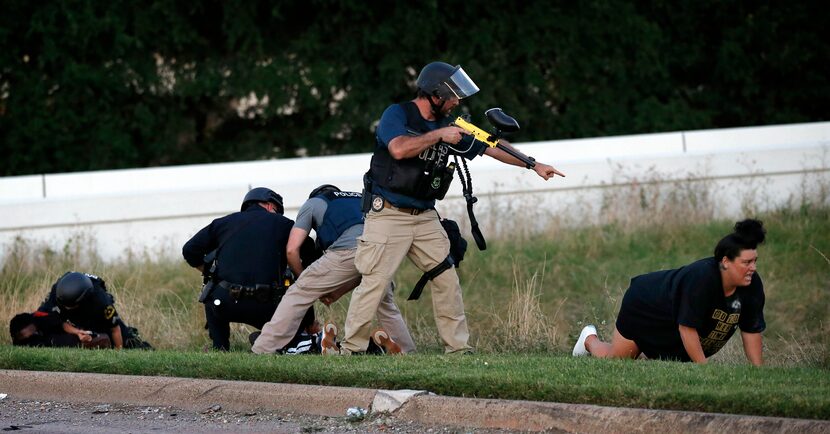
x=96, y=311
x=657, y=303
x=48, y=329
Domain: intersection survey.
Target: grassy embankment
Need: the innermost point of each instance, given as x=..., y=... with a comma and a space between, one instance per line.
x=527, y=297
x=741, y=389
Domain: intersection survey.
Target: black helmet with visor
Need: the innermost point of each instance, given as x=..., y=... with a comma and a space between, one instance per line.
x=445, y=81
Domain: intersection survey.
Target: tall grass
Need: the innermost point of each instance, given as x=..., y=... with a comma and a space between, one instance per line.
x=526, y=293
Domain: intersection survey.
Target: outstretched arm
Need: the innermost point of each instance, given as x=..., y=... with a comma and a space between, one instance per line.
x=753, y=347
x=292, y=250
x=338, y=292
x=543, y=170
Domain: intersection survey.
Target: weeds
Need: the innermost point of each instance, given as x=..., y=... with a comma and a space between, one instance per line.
x=526, y=293
x=525, y=327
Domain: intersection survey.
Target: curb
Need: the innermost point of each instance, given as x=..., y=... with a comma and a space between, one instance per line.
x=405, y=405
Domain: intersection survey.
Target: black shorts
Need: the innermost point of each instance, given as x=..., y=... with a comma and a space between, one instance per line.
x=656, y=335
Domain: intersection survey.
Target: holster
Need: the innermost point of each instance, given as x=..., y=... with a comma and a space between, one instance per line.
x=366, y=200
x=208, y=273
x=207, y=289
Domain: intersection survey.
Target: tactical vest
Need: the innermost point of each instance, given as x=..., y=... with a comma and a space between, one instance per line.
x=343, y=212
x=426, y=176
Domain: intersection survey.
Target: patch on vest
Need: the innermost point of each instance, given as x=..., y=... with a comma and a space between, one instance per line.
x=436, y=183
x=377, y=204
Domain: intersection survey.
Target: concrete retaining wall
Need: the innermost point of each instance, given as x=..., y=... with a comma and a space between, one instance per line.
x=157, y=209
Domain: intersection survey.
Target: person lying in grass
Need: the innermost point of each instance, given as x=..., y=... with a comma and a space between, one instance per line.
x=689, y=313
x=45, y=329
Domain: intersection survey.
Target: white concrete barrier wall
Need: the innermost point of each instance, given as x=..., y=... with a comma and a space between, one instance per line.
x=157, y=209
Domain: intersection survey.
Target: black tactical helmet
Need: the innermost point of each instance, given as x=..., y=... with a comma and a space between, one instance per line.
x=72, y=288
x=325, y=188
x=445, y=81
x=262, y=194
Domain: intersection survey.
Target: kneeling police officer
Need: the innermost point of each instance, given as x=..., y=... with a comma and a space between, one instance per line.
x=86, y=313
x=246, y=272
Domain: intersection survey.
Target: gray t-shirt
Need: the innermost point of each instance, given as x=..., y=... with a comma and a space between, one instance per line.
x=312, y=213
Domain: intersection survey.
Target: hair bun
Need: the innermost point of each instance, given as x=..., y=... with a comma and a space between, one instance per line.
x=750, y=230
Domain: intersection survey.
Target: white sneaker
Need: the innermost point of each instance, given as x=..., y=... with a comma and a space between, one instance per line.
x=579, y=348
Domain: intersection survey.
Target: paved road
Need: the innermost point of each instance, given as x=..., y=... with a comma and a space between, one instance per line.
x=73, y=402
x=32, y=416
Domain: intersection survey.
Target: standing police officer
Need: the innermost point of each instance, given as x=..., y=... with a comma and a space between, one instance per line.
x=249, y=250
x=338, y=220
x=409, y=172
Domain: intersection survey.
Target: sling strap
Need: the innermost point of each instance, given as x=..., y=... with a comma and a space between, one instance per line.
x=443, y=266
x=467, y=188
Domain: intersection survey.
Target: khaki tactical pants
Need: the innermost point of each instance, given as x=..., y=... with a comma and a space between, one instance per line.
x=333, y=270
x=389, y=236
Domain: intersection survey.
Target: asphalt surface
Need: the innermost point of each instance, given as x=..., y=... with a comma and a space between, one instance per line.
x=31, y=416
x=51, y=402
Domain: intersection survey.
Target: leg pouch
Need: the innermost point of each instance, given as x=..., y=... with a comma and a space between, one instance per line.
x=370, y=249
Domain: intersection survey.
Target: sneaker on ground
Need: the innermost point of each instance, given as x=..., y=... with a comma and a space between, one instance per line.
x=382, y=339
x=579, y=348
x=328, y=345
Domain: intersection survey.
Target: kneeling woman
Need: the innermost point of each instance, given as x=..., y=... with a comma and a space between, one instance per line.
x=689, y=313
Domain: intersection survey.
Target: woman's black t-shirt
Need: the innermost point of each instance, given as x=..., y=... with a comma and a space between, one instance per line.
x=657, y=303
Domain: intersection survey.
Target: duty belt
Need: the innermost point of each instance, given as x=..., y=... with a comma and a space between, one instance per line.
x=262, y=292
x=411, y=211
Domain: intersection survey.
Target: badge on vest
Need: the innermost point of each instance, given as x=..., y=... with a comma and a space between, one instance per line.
x=377, y=204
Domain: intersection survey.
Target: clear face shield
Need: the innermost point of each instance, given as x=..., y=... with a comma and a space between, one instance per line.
x=460, y=84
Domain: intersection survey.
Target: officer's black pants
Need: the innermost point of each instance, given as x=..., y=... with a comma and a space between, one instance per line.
x=219, y=317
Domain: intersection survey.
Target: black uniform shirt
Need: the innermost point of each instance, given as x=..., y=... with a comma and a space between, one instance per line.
x=95, y=312
x=254, y=246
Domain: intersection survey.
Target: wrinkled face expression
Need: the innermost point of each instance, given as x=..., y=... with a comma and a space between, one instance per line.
x=739, y=271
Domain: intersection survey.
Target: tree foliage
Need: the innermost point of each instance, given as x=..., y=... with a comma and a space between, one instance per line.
x=98, y=85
